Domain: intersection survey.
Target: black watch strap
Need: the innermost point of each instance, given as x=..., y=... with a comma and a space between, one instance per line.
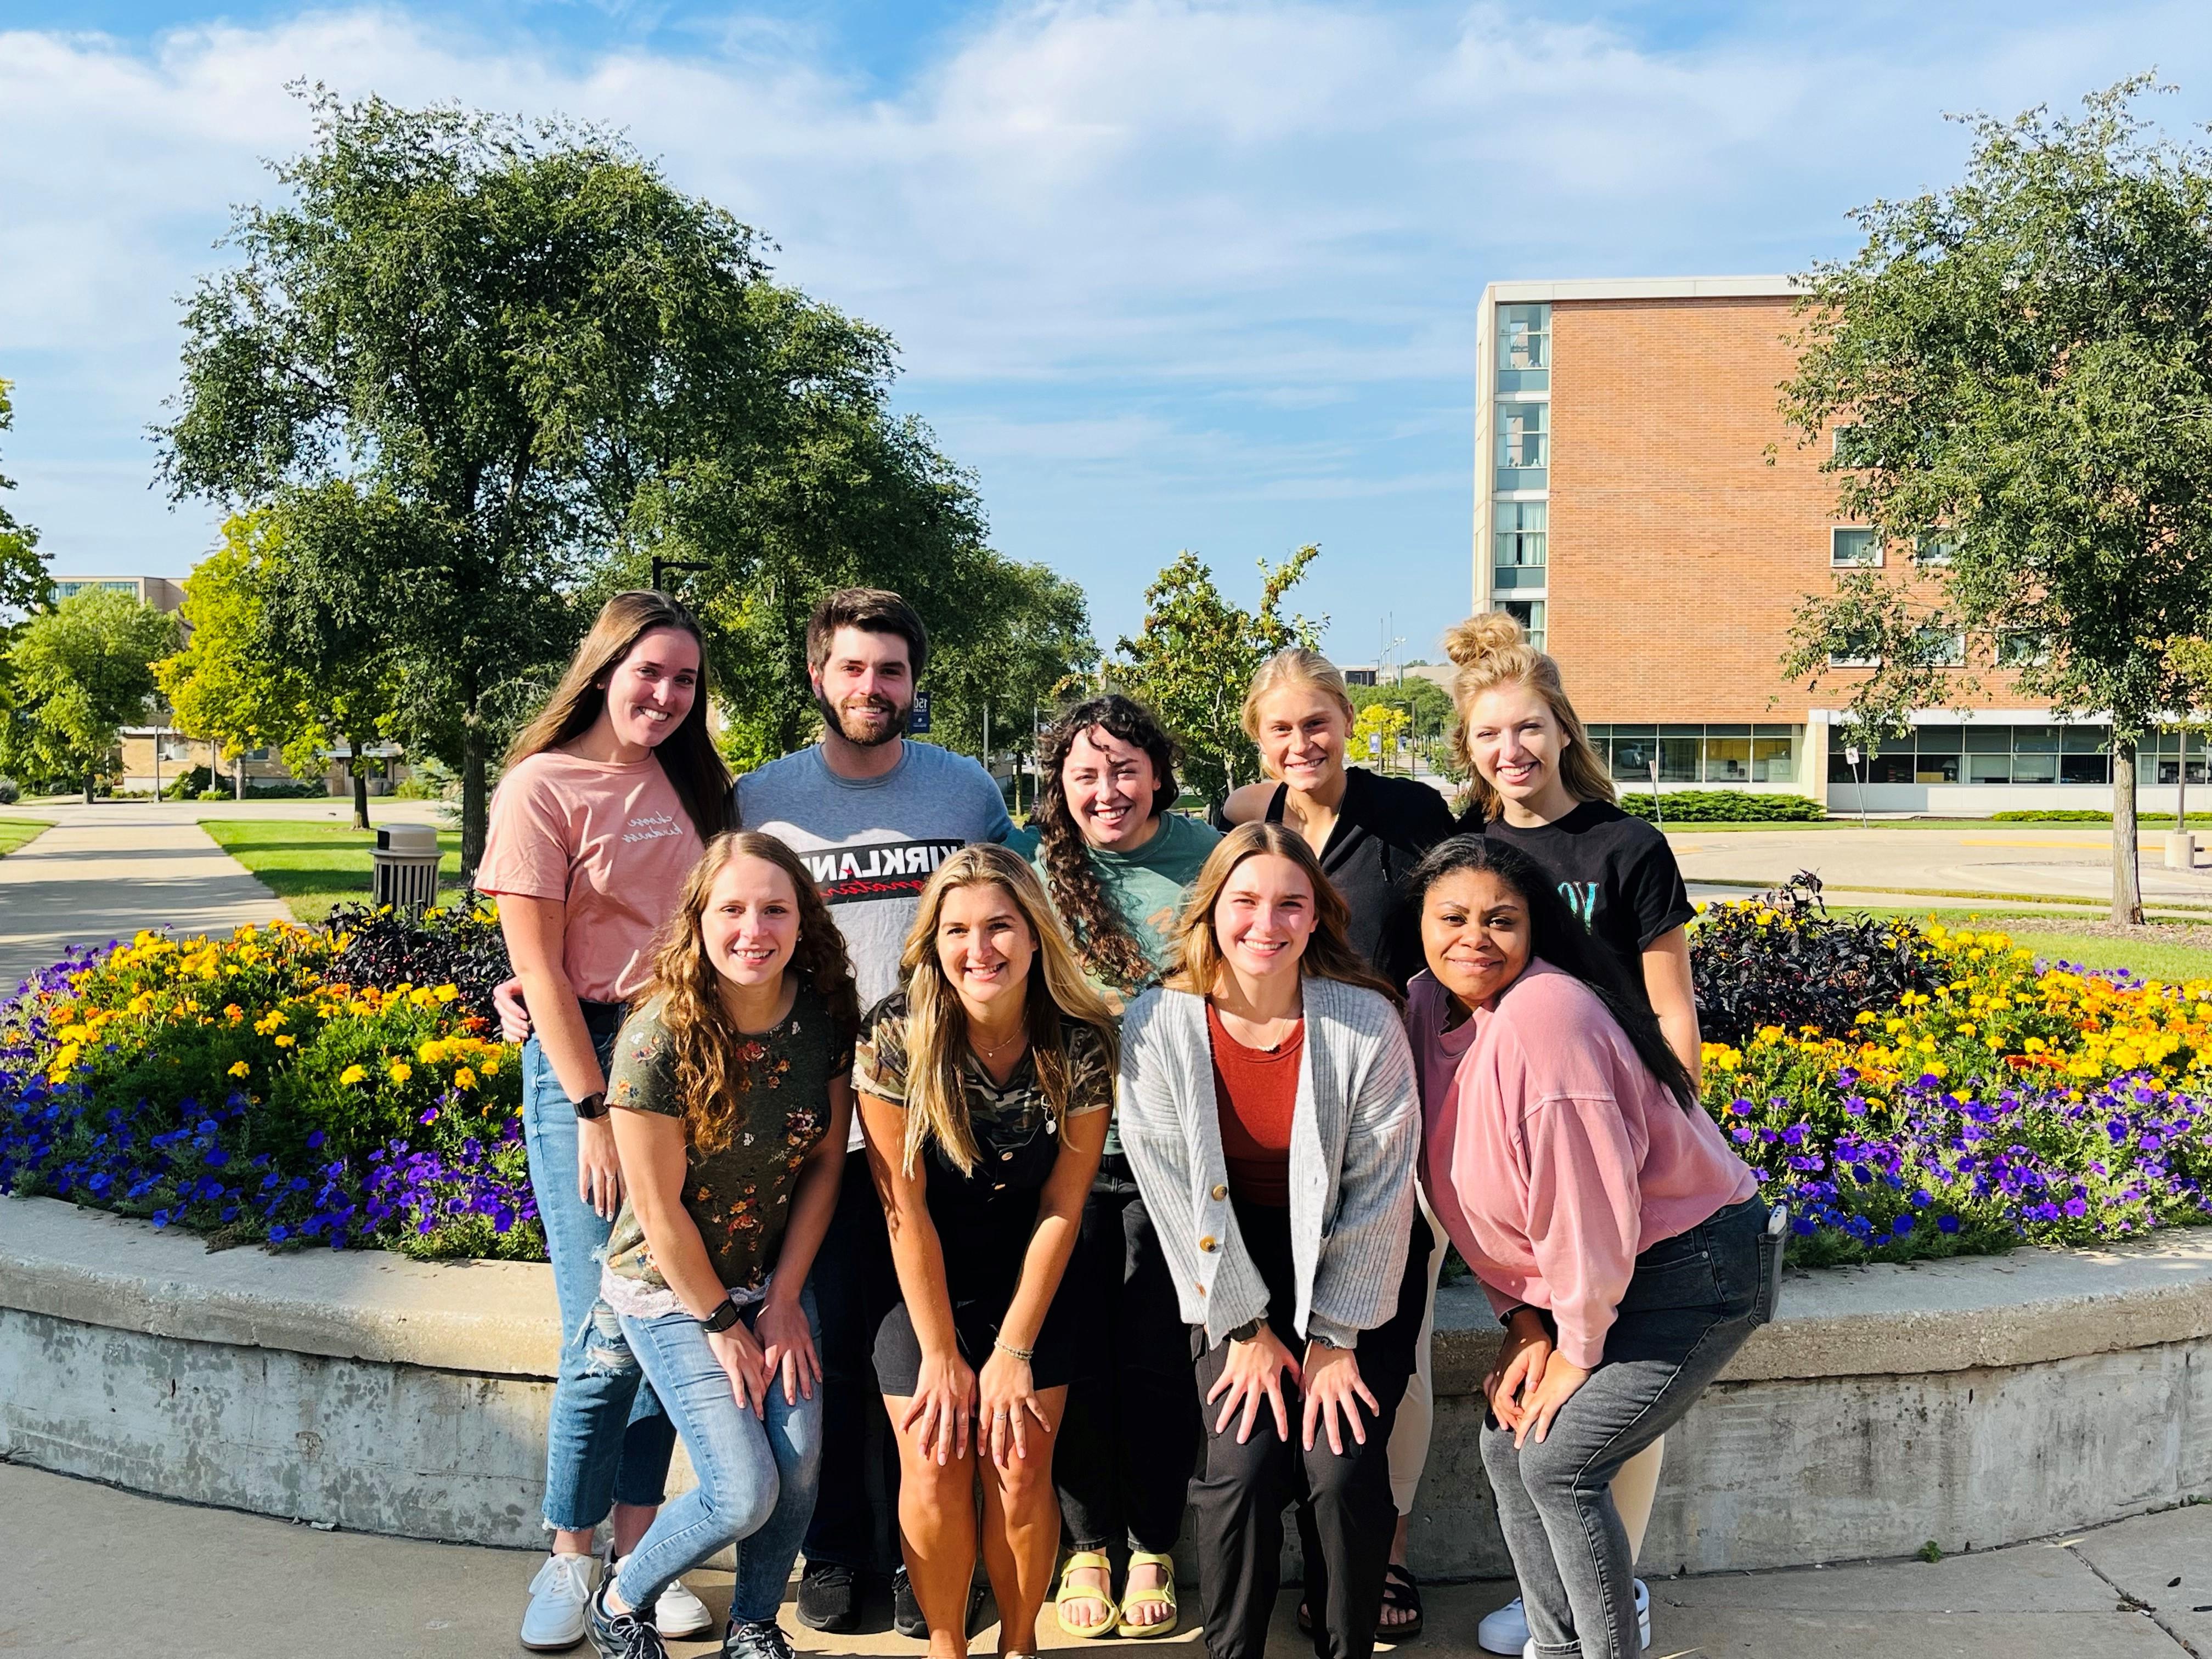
x=593, y=1107
x=722, y=1318
x=1247, y=1331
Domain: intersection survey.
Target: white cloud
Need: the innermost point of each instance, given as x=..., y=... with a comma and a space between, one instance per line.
x=1121, y=242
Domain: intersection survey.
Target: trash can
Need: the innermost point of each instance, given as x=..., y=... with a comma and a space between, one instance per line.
x=404, y=868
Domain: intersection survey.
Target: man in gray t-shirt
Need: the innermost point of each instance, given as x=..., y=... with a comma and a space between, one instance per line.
x=872, y=813
x=871, y=842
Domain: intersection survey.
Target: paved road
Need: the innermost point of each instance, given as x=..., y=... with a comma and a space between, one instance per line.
x=1998, y=858
x=93, y=1571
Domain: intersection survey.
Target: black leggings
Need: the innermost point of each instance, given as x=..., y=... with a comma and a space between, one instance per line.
x=1345, y=1514
x=1126, y=1447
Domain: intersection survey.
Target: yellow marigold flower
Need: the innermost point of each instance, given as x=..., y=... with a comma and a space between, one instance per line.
x=354, y=1074
x=446, y=992
x=490, y=1067
x=400, y=1071
x=286, y=1041
x=464, y=1079
x=239, y=1068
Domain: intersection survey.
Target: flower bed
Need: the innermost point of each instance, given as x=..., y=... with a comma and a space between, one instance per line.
x=287, y=1084
x=2007, y=1102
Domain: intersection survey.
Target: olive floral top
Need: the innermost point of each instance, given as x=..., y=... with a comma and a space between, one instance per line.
x=739, y=1198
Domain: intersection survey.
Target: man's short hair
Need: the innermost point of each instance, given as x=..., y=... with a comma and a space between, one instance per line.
x=874, y=610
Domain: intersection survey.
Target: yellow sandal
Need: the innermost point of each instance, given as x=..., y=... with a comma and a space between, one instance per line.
x=1165, y=1592
x=1078, y=1559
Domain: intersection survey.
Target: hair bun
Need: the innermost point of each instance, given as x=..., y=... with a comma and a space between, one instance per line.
x=1484, y=633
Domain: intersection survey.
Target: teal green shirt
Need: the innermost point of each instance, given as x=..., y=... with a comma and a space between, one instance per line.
x=1147, y=887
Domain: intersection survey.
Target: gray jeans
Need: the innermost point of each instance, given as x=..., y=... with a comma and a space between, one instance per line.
x=1690, y=1305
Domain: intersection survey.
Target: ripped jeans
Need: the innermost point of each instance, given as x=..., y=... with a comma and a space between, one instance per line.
x=587, y=1470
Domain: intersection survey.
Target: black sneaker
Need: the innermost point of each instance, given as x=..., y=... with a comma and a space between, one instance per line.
x=622, y=1635
x=828, y=1596
x=760, y=1639
x=906, y=1611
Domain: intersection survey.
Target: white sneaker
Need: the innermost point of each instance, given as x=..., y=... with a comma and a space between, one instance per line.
x=678, y=1613
x=1506, y=1630
x=558, y=1597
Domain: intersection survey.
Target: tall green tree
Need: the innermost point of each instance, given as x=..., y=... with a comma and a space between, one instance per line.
x=2021, y=362
x=526, y=337
x=24, y=584
x=1195, y=656
x=83, y=671
x=224, y=685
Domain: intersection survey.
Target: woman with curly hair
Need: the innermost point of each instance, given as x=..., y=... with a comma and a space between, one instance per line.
x=730, y=1094
x=1118, y=863
x=984, y=1086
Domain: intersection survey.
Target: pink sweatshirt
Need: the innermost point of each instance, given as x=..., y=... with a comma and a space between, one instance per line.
x=1551, y=1156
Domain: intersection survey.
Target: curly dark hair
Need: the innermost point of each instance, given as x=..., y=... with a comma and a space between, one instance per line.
x=1108, y=948
x=708, y=1078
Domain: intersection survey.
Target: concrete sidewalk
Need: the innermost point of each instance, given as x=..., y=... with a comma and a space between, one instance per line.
x=96, y=1571
x=106, y=872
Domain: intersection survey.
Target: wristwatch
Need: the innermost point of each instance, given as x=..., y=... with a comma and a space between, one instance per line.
x=721, y=1319
x=593, y=1107
x=1247, y=1331
x=1327, y=1341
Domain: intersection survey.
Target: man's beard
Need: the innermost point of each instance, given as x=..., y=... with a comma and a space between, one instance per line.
x=864, y=738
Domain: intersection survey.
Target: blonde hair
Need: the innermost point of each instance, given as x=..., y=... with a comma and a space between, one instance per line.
x=710, y=1080
x=937, y=1022
x=1298, y=668
x=1490, y=651
x=1329, y=952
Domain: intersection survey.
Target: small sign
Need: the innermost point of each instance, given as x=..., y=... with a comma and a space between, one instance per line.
x=917, y=722
x=1375, y=744
x=1851, y=754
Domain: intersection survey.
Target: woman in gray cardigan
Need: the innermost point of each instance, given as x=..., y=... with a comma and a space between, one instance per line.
x=1269, y=1112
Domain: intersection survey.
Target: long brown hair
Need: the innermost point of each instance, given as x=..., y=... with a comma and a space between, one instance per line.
x=1101, y=934
x=1491, y=651
x=1329, y=953
x=937, y=1021
x=705, y=1040
x=687, y=755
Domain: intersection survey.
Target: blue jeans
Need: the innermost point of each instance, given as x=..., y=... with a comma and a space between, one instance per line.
x=588, y=1470
x=757, y=1479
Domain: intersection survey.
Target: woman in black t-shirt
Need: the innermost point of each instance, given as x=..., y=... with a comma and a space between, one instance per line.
x=1538, y=786
x=1368, y=831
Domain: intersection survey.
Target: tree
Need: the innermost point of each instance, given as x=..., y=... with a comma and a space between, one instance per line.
x=1377, y=729
x=1195, y=656
x=1897, y=643
x=1426, y=705
x=83, y=669
x=2189, y=663
x=524, y=337
x=24, y=584
x=2020, y=362
x=224, y=685
x=1039, y=646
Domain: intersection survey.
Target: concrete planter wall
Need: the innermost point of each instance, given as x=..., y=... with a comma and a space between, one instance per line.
x=1972, y=1402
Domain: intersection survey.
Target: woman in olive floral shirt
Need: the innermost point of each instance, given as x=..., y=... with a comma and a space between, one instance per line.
x=984, y=1088
x=731, y=1095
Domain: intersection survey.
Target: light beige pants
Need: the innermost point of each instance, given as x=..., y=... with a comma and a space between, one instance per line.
x=1634, y=1489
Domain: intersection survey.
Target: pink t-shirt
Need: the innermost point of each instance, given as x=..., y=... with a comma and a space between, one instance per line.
x=1551, y=1155
x=612, y=841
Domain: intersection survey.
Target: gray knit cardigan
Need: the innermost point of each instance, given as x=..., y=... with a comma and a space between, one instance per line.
x=1355, y=1137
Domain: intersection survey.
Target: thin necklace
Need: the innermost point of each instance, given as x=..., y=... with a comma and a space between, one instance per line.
x=993, y=1048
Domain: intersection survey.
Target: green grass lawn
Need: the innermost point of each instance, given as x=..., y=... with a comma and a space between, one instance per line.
x=312, y=866
x=13, y=832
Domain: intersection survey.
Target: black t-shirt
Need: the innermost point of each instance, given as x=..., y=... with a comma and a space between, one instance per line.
x=1615, y=870
x=1383, y=826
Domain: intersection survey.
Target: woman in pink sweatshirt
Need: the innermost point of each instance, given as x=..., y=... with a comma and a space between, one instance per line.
x=1623, y=1244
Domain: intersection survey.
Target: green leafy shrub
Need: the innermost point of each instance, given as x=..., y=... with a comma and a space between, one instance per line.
x=1725, y=806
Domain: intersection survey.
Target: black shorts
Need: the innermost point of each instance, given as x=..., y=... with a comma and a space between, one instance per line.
x=975, y=1322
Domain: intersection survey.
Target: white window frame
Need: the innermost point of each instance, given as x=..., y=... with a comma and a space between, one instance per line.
x=1934, y=548
x=1837, y=562
x=1952, y=645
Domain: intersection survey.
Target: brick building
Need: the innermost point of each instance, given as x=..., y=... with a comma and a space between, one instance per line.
x=1641, y=508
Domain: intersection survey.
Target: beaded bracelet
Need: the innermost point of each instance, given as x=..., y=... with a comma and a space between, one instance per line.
x=1023, y=1354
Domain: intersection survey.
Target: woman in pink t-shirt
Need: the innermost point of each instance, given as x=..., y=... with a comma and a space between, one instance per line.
x=1620, y=1238
x=608, y=798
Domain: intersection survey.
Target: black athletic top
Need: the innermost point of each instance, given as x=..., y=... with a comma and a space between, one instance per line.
x=1383, y=826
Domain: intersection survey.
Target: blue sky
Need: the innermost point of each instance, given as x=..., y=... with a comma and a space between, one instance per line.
x=1164, y=274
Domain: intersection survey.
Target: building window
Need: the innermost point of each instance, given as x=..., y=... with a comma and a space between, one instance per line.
x=1519, y=540
x=1718, y=754
x=1934, y=547
x=1524, y=446
x=174, y=748
x=2022, y=650
x=1529, y=613
x=1986, y=754
x=1939, y=648
x=1853, y=547
x=1524, y=347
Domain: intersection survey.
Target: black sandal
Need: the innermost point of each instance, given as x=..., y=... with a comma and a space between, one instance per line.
x=1400, y=1589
